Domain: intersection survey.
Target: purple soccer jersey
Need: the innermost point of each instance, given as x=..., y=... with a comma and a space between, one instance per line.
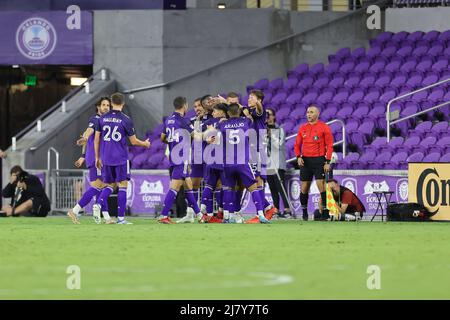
x=90, y=153
x=209, y=158
x=177, y=130
x=114, y=127
x=235, y=140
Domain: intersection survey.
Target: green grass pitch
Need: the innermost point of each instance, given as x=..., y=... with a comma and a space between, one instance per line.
x=288, y=259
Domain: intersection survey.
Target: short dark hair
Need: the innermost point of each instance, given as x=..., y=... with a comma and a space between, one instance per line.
x=198, y=99
x=271, y=110
x=179, y=102
x=232, y=95
x=221, y=106
x=258, y=93
x=16, y=169
x=117, y=99
x=333, y=180
x=202, y=99
x=233, y=109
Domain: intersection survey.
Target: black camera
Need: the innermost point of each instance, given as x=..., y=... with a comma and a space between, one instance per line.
x=22, y=176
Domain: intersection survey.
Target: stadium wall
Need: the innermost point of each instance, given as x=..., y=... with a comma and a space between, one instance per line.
x=162, y=46
x=425, y=19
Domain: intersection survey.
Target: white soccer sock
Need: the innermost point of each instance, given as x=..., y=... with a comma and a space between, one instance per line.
x=106, y=215
x=226, y=215
x=203, y=208
x=260, y=213
x=76, y=209
x=121, y=218
x=268, y=207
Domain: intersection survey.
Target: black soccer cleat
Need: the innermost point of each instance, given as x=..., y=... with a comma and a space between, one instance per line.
x=305, y=217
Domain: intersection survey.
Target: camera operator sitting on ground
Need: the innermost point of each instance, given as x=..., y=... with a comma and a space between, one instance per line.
x=350, y=208
x=27, y=195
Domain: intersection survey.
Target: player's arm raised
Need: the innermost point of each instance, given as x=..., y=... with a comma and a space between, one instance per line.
x=139, y=143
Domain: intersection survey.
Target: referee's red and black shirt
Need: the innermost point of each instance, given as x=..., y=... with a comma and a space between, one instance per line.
x=314, y=140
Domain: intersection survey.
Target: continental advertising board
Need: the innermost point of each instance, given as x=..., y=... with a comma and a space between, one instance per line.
x=429, y=184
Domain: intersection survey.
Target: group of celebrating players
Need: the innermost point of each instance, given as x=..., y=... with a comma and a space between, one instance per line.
x=224, y=144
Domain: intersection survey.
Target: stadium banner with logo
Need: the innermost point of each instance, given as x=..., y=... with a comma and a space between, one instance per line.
x=429, y=185
x=145, y=193
x=46, y=37
x=148, y=188
x=363, y=185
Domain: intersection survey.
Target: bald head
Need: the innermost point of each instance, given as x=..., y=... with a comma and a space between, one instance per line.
x=312, y=114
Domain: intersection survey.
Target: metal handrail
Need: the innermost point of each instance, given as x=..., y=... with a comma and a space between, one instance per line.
x=388, y=108
x=343, y=141
x=49, y=151
x=55, y=106
x=276, y=42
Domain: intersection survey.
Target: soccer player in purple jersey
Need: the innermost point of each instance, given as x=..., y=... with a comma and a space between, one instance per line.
x=88, y=156
x=257, y=112
x=177, y=133
x=112, y=130
x=197, y=166
x=236, y=155
x=214, y=170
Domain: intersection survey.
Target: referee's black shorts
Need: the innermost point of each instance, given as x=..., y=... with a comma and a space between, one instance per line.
x=313, y=167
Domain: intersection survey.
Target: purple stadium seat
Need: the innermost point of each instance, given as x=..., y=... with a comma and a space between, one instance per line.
x=432, y=157
x=429, y=141
x=431, y=36
x=310, y=98
x=362, y=67
x=404, y=51
x=298, y=112
x=356, y=96
x=435, y=50
x=388, y=95
x=428, y=80
x=328, y=113
x=380, y=160
x=276, y=84
x=440, y=65
x=279, y=99
x=317, y=69
x=368, y=81
x=373, y=52
x=261, y=84
x=358, y=53
x=376, y=144
x=408, y=66
x=325, y=97
x=396, y=161
x=337, y=82
x=139, y=160
x=415, y=36
x=349, y=159
x=306, y=82
x=344, y=112
x=440, y=128
x=415, y=157
x=420, y=51
x=283, y=114
x=445, y=158
x=362, y=162
x=288, y=126
x=294, y=98
x=422, y=128
x=298, y=71
x=290, y=84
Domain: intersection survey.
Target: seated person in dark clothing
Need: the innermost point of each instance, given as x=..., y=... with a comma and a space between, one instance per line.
x=27, y=195
x=350, y=207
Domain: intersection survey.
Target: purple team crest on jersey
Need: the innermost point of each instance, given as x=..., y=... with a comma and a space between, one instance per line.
x=36, y=38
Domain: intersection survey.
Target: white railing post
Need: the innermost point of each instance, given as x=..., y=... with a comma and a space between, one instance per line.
x=13, y=144
x=63, y=107
x=39, y=126
x=388, y=107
